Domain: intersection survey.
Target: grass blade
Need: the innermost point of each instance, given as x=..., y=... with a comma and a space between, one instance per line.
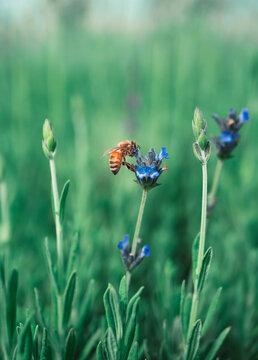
x=194, y=341
x=206, y=262
x=217, y=344
x=63, y=197
x=211, y=311
x=68, y=298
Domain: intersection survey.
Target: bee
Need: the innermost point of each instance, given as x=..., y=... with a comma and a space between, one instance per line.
x=230, y=122
x=118, y=155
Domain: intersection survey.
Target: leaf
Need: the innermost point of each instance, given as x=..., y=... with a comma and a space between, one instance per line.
x=186, y=314
x=72, y=254
x=11, y=304
x=115, y=306
x=39, y=309
x=123, y=295
x=100, y=352
x=70, y=345
x=68, y=298
x=50, y=269
x=35, y=343
x=206, y=261
x=195, y=251
x=182, y=303
x=133, y=354
x=194, y=341
x=111, y=345
x=132, y=301
x=131, y=326
x=109, y=313
x=25, y=344
x=44, y=346
x=217, y=344
x=211, y=311
x=90, y=345
x=63, y=197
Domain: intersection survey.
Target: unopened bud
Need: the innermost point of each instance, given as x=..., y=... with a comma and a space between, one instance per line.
x=48, y=142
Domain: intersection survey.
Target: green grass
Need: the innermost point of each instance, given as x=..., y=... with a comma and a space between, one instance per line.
x=80, y=81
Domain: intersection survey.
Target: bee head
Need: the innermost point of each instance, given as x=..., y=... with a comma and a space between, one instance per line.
x=135, y=147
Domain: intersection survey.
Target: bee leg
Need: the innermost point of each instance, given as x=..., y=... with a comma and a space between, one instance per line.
x=129, y=166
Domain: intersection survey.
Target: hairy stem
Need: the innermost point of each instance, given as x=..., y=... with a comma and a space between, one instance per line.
x=195, y=300
x=212, y=194
x=59, y=241
x=136, y=234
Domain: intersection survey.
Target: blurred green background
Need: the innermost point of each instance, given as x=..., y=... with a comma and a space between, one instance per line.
x=107, y=71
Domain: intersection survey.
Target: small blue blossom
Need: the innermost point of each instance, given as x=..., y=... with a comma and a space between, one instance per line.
x=123, y=243
x=145, y=251
x=230, y=126
x=244, y=116
x=148, y=168
x=131, y=261
x=228, y=137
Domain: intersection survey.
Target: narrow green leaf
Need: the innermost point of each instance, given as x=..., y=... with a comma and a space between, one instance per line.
x=123, y=295
x=132, y=301
x=131, y=326
x=70, y=345
x=211, y=311
x=100, y=352
x=186, y=314
x=194, y=341
x=72, y=254
x=44, y=346
x=2, y=271
x=39, y=309
x=206, y=261
x=68, y=298
x=182, y=303
x=63, y=201
x=195, y=250
x=111, y=345
x=25, y=343
x=89, y=346
x=115, y=306
x=35, y=343
x=11, y=304
x=108, y=309
x=133, y=354
x=50, y=269
x=217, y=344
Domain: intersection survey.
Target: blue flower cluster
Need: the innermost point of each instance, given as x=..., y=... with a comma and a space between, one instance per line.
x=130, y=261
x=148, y=168
x=229, y=138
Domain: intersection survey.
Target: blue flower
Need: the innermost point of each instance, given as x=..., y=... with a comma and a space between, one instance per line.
x=228, y=137
x=244, y=116
x=123, y=244
x=148, y=168
x=131, y=261
x=146, y=171
x=162, y=155
x=230, y=126
x=145, y=251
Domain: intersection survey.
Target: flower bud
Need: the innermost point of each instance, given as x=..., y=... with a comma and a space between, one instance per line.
x=202, y=146
x=48, y=142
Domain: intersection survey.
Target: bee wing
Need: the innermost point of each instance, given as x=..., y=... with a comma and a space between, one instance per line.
x=110, y=151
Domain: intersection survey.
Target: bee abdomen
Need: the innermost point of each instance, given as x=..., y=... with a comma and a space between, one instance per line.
x=115, y=162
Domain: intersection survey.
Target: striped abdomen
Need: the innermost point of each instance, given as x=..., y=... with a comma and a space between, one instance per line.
x=115, y=161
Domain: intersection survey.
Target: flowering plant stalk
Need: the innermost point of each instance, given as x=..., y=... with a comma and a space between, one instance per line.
x=192, y=327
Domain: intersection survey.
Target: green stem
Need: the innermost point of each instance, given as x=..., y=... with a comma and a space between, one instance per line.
x=212, y=194
x=59, y=230
x=136, y=234
x=59, y=242
x=195, y=300
x=5, y=223
x=139, y=221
